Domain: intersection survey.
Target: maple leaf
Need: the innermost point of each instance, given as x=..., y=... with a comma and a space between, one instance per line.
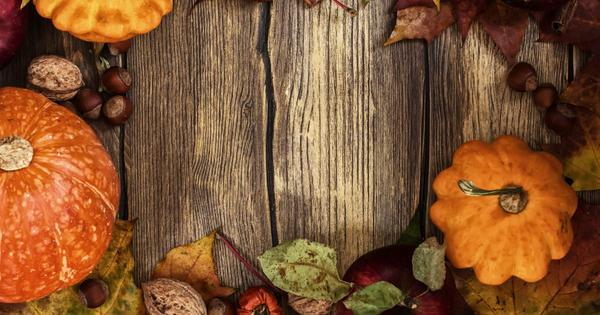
x=466, y=11
x=421, y=22
x=193, y=263
x=580, y=148
x=571, y=286
x=506, y=26
x=115, y=268
x=578, y=23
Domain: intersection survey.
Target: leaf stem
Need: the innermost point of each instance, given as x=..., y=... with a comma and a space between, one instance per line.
x=247, y=264
x=350, y=10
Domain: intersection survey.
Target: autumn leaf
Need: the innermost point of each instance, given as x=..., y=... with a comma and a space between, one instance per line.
x=506, y=26
x=115, y=268
x=465, y=12
x=572, y=285
x=403, y=4
x=585, y=90
x=193, y=263
x=578, y=23
x=421, y=22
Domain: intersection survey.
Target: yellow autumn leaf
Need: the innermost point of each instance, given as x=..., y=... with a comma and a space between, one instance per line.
x=115, y=268
x=193, y=263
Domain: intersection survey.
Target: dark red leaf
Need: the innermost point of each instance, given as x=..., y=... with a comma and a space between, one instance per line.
x=585, y=90
x=466, y=11
x=403, y=4
x=506, y=26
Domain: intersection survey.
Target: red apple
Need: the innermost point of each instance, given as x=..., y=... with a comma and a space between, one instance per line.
x=394, y=264
x=13, y=27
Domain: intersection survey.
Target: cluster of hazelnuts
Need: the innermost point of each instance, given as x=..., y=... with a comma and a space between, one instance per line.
x=116, y=81
x=559, y=117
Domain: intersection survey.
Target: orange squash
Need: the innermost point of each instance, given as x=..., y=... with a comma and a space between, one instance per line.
x=104, y=21
x=258, y=301
x=59, y=195
x=505, y=210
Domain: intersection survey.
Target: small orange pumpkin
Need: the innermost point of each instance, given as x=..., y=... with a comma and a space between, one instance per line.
x=515, y=222
x=59, y=194
x=258, y=301
x=104, y=21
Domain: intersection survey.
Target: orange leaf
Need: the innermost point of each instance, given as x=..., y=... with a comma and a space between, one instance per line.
x=193, y=263
x=421, y=22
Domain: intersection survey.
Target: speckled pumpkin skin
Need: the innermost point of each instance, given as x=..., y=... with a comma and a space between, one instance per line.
x=104, y=21
x=56, y=215
x=482, y=236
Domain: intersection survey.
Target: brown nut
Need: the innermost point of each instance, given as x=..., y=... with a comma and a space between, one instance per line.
x=167, y=296
x=306, y=306
x=218, y=306
x=545, y=95
x=117, y=110
x=89, y=103
x=560, y=118
x=119, y=48
x=57, y=78
x=93, y=292
x=116, y=80
x=522, y=77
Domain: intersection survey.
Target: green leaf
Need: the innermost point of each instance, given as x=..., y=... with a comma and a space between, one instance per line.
x=24, y=3
x=374, y=299
x=306, y=269
x=115, y=268
x=412, y=235
x=428, y=264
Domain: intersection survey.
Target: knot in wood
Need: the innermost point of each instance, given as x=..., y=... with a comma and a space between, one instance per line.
x=16, y=153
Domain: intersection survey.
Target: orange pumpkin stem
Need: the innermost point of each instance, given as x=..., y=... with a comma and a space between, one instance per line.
x=512, y=199
x=16, y=153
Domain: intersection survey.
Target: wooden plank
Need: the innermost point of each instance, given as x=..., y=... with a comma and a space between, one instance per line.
x=42, y=39
x=347, y=134
x=470, y=98
x=195, y=148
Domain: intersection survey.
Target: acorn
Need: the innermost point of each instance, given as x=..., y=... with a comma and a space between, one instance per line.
x=93, y=292
x=545, y=95
x=522, y=77
x=116, y=80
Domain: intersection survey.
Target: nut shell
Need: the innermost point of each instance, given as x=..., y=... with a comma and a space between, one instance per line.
x=306, y=306
x=217, y=306
x=117, y=80
x=89, y=103
x=545, y=95
x=522, y=77
x=57, y=78
x=117, y=110
x=171, y=297
x=93, y=292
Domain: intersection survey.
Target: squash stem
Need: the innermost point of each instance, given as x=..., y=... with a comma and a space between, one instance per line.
x=512, y=199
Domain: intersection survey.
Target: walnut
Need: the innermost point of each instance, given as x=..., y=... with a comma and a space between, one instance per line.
x=306, y=306
x=57, y=78
x=171, y=297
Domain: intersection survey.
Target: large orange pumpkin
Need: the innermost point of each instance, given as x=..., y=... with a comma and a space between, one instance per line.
x=515, y=221
x=59, y=194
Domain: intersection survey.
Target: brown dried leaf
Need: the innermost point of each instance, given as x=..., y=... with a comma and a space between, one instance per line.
x=585, y=90
x=506, y=26
x=421, y=22
x=403, y=4
x=466, y=11
x=193, y=263
x=571, y=286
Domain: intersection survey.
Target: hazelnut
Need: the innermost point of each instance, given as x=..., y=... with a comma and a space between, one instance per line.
x=218, y=306
x=89, y=103
x=522, y=77
x=545, y=95
x=560, y=118
x=119, y=48
x=116, y=80
x=55, y=77
x=306, y=306
x=117, y=110
x=93, y=292
x=168, y=296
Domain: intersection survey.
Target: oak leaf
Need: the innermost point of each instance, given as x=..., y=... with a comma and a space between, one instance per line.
x=115, y=268
x=571, y=286
x=506, y=26
x=193, y=263
x=421, y=23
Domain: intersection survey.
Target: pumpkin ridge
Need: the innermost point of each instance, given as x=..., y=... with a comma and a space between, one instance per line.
x=28, y=129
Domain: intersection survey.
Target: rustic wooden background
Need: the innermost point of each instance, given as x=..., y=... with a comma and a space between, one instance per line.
x=275, y=122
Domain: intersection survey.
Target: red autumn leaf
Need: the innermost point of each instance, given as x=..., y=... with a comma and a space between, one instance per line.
x=506, y=26
x=585, y=90
x=421, y=22
x=578, y=23
x=571, y=286
x=466, y=11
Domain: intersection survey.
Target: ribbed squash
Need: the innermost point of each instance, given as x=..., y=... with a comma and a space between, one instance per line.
x=511, y=213
x=104, y=21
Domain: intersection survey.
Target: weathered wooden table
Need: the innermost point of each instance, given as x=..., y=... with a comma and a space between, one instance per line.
x=275, y=122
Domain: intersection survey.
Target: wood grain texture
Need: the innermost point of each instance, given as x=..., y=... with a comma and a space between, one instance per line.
x=471, y=100
x=42, y=39
x=195, y=148
x=347, y=133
